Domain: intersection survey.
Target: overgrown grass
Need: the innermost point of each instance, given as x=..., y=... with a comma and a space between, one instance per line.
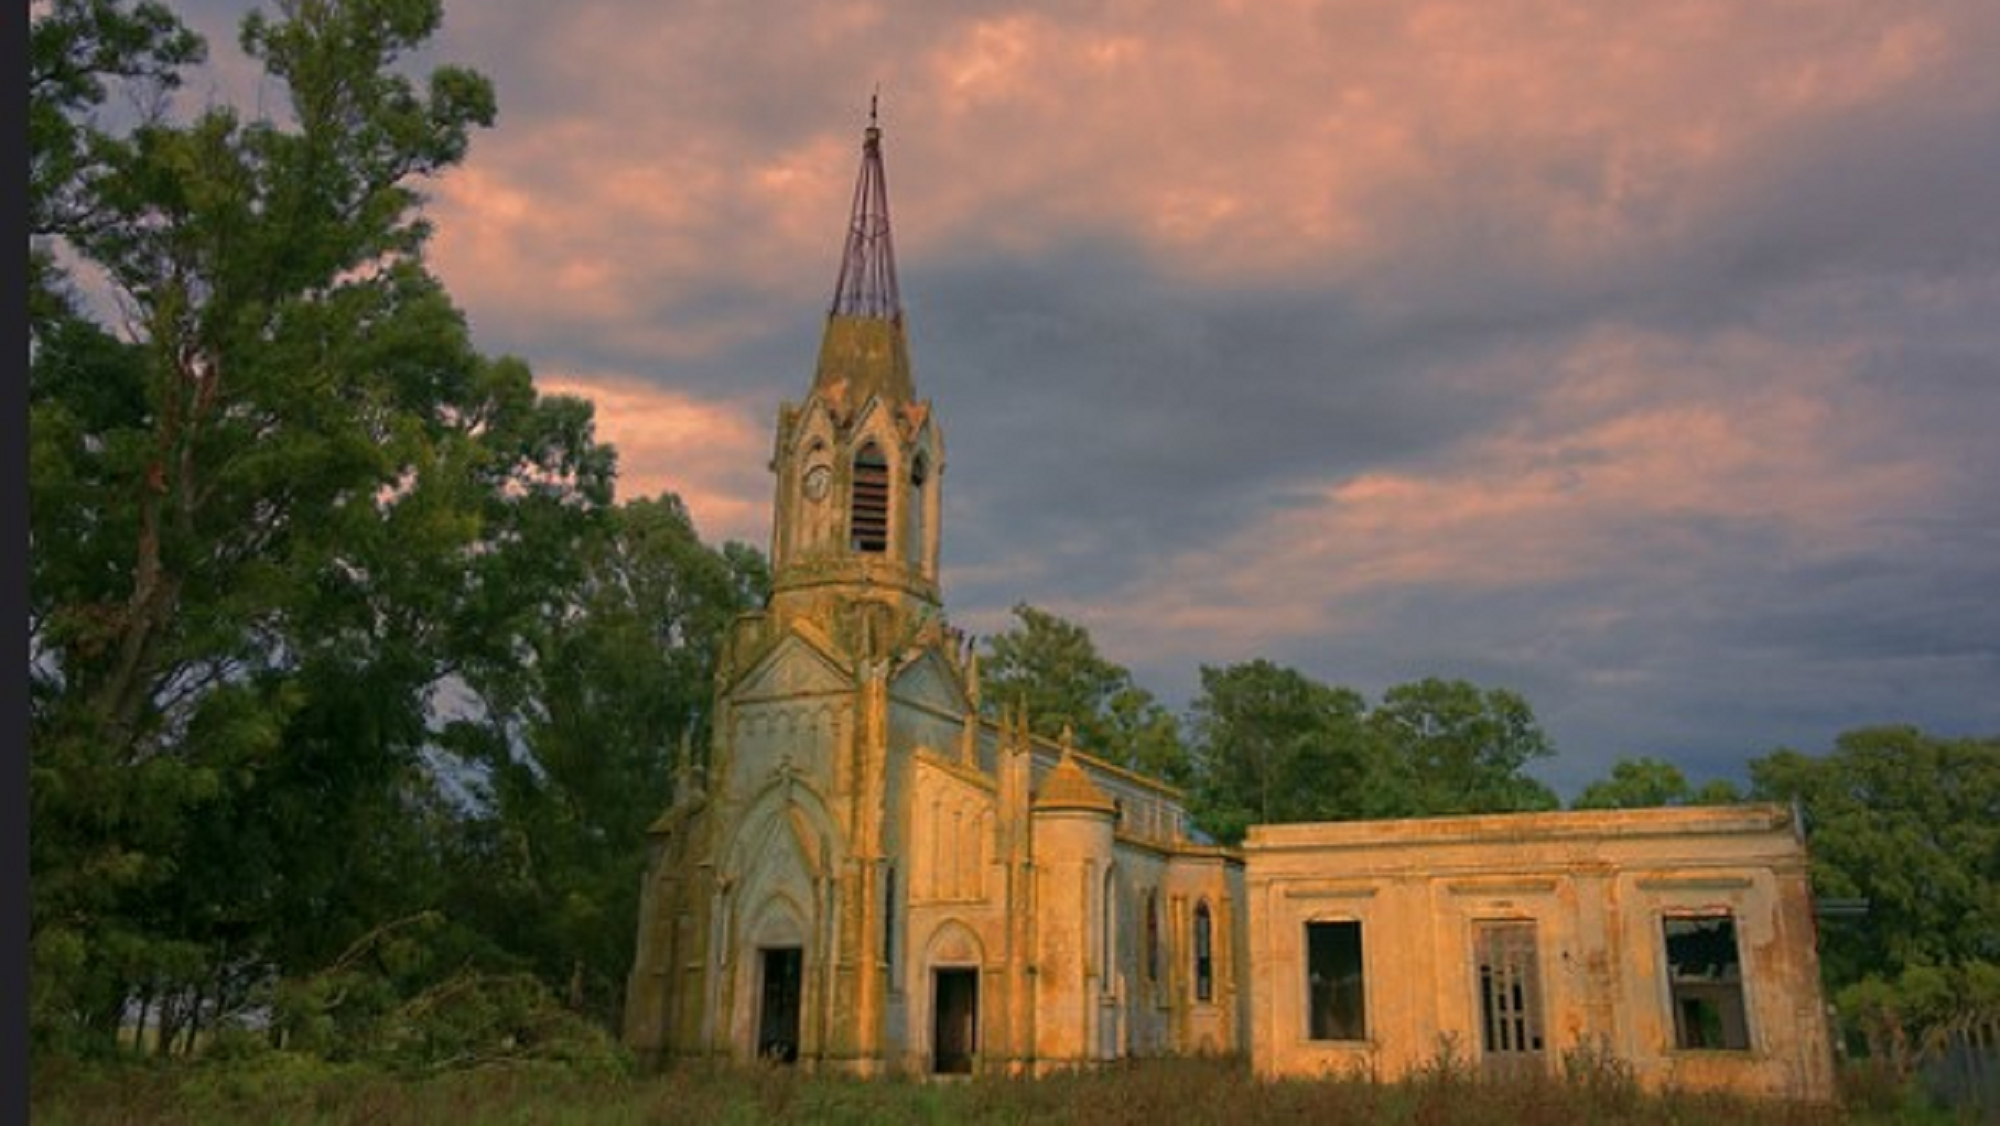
x=294, y=1090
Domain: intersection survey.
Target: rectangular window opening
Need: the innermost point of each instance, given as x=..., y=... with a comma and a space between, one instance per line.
x=1705, y=976
x=1336, y=1002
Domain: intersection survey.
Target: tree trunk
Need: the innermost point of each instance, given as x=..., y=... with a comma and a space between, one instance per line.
x=170, y=1026
x=139, y=1021
x=193, y=1022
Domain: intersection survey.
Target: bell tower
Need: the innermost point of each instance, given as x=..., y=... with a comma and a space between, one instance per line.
x=777, y=918
x=860, y=461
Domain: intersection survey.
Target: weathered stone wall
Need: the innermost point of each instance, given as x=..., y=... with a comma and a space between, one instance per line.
x=1594, y=894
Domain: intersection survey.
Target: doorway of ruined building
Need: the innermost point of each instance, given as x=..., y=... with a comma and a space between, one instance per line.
x=778, y=1013
x=954, y=1020
x=1510, y=997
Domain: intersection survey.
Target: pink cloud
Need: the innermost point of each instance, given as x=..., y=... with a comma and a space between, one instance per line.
x=1235, y=141
x=1238, y=144
x=708, y=453
x=1643, y=444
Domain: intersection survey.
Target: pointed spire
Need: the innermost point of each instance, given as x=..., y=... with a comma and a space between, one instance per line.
x=867, y=283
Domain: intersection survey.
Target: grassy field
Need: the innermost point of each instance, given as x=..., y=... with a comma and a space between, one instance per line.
x=279, y=1089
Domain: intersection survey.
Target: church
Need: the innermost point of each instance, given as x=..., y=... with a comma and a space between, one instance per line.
x=871, y=872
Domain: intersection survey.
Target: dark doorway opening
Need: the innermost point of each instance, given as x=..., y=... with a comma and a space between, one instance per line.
x=955, y=1019
x=1336, y=1004
x=778, y=1017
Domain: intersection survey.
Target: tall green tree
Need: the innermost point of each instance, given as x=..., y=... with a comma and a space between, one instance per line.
x=81, y=52
x=272, y=513
x=1453, y=747
x=574, y=749
x=1910, y=823
x=1644, y=782
x=1052, y=666
x=1273, y=745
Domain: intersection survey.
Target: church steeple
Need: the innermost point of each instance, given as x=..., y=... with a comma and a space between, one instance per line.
x=864, y=351
x=859, y=461
x=867, y=283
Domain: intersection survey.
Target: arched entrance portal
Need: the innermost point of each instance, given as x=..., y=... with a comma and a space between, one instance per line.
x=776, y=994
x=954, y=955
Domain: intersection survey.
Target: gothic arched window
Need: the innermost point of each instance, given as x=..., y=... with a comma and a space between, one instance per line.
x=868, y=515
x=889, y=918
x=913, y=540
x=1204, y=954
x=1152, y=935
x=1110, y=974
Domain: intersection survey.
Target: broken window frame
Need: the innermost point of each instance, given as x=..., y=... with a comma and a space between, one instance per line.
x=1507, y=960
x=1706, y=983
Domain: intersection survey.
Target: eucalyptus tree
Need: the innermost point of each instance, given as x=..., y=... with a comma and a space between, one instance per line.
x=1052, y=666
x=1645, y=782
x=575, y=745
x=1451, y=746
x=277, y=498
x=1908, y=823
x=1271, y=744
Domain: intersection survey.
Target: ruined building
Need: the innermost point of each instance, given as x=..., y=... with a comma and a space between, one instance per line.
x=868, y=873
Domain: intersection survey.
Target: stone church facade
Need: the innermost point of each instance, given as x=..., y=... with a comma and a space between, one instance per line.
x=871, y=873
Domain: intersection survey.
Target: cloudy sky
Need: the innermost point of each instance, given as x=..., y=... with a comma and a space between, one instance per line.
x=1642, y=357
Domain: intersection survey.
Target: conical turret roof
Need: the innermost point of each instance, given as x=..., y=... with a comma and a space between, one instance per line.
x=1068, y=787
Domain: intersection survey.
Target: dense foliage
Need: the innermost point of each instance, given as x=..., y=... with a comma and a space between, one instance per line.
x=1904, y=826
x=1264, y=743
x=1643, y=782
x=1051, y=667
x=348, y=683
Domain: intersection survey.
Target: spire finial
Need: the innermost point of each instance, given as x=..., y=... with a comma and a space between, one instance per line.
x=866, y=286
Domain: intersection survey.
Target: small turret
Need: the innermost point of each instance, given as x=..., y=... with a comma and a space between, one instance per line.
x=1067, y=787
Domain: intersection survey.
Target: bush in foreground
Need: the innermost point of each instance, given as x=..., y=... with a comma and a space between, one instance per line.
x=289, y=1088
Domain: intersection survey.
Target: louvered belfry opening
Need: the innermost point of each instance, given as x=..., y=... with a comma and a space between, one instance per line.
x=868, y=519
x=867, y=283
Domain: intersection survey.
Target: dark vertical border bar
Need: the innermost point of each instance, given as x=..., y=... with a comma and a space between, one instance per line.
x=14, y=606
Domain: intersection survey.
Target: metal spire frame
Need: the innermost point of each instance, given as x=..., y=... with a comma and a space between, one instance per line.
x=867, y=283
